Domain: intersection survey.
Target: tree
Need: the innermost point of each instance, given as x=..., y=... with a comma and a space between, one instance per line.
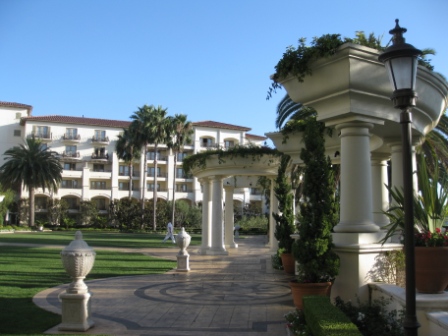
x=149, y=126
x=128, y=151
x=32, y=165
x=181, y=131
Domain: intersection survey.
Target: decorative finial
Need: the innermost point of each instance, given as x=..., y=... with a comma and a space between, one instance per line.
x=397, y=33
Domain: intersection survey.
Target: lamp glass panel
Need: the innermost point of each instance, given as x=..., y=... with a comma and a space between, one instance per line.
x=403, y=70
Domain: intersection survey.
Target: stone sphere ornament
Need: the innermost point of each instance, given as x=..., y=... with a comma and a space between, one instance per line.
x=77, y=259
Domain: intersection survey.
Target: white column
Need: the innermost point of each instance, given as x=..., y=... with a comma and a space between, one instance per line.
x=85, y=183
x=273, y=207
x=380, y=193
x=356, y=213
x=229, y=219
x=217, y=243
x=397, y=166
x=206, y=216
x=114, y=177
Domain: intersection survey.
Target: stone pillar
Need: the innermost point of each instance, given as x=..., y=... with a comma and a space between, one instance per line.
x=380, y=193
x=229, y=219
x=206, y=216
x=273, y=208
x=217, y=242
x=397, y=165
x=356, y=179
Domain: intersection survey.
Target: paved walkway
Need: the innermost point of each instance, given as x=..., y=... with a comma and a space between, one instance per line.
x=239, y=294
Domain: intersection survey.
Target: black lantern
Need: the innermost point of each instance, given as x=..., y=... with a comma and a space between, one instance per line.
x=401, y=61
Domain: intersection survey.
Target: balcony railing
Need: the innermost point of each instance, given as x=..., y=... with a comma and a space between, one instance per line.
x=100, y=156
x=71, y=154
x=41, y=136
x=70, y=187
x=99, y=188
x=184, y=176
x=71, y=137
x=100, y=139
x=158, y=174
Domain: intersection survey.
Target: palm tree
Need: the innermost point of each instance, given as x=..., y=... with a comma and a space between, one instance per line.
x=127, y=150
x=149, y=126
x=181, y=131
x=33, y=166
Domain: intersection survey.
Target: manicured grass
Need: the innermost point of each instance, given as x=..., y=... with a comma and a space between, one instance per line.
x=25, y=271
x=95, y=239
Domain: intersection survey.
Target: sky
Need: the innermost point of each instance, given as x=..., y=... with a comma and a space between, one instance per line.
x=208, y=59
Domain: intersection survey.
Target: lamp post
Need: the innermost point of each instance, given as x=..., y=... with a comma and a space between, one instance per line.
x=401, y=61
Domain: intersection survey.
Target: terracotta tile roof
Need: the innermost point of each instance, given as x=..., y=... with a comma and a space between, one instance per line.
x=57, y=119
x=18, y=105
x=255, y=137
x=215, y=124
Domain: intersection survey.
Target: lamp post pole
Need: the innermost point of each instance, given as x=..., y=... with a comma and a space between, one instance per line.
x=401, y=63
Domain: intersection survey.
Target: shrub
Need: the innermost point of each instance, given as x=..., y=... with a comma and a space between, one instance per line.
x=322, y=318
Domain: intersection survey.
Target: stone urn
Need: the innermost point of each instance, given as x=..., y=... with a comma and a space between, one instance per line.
x=77, y=259
x=183, y=240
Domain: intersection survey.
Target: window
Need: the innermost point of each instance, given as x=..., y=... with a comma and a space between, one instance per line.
x=71, y=133
x=181, y=156
x=100, y=203
x=151, y=171
x=206, y=142
x=100, y=152
x=70, y=150
x=151, y=187
x=123, y=185
x=18, y=115
x=152, y=155
x=229, y=143
x=17, y=133
x=100, y=135
x=123, y=170
x=42, y=132
x=180, y=173
x=98, y=167
x=69, y=166
x=181, y=188
x=72, y=203
x=69, y=184
x=101, y=185
x=40, y=203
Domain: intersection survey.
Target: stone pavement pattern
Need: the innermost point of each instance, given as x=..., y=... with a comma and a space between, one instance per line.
x=238, y=294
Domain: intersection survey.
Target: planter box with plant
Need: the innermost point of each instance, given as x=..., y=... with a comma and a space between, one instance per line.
x=284, y=219
x=317, y=262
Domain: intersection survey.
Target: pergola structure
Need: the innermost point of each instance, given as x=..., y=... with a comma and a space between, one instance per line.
x=226, y=175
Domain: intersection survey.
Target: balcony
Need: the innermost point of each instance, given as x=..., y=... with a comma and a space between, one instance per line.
x=163, y=175
x=71, y=138
x=100, y=140
x=70, y=155
x=96, y=156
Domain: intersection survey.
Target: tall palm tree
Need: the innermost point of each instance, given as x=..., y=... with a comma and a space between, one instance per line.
x=149, y=126
x=181, y=131
x=127, y=150
x=33, y=166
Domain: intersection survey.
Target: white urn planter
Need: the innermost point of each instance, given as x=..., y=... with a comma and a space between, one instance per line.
x=183, y=240
x=77, y=259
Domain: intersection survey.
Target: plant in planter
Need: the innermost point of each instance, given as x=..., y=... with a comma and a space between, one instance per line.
x=318, y=264
x=285, y=217
x=430, y=214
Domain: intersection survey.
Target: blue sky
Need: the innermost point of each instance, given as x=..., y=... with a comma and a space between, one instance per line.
x=209, y=59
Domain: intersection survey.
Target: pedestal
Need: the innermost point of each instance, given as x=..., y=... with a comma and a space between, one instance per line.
x=76, y=310
x=183, y=263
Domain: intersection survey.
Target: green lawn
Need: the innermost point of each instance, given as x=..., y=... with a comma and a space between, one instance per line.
x=25, y=271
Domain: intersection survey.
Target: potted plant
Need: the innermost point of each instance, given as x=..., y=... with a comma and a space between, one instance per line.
x=284, y=219
x=318, y=264
x=430, y=214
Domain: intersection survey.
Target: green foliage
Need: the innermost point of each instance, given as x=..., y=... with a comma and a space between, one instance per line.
x=284, y=219
x=296, y=61
x=324, y=319
x=313, y=250
x=430, y=204
x=373, y=319
x=296, y=323
x=185, y=215
x=253, y=223
x=127, y=214
x=199, y=160
x=389, y=267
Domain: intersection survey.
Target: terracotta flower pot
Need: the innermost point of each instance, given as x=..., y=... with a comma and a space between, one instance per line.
x=288, y=263
x=299, y=290
x=431, y=269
